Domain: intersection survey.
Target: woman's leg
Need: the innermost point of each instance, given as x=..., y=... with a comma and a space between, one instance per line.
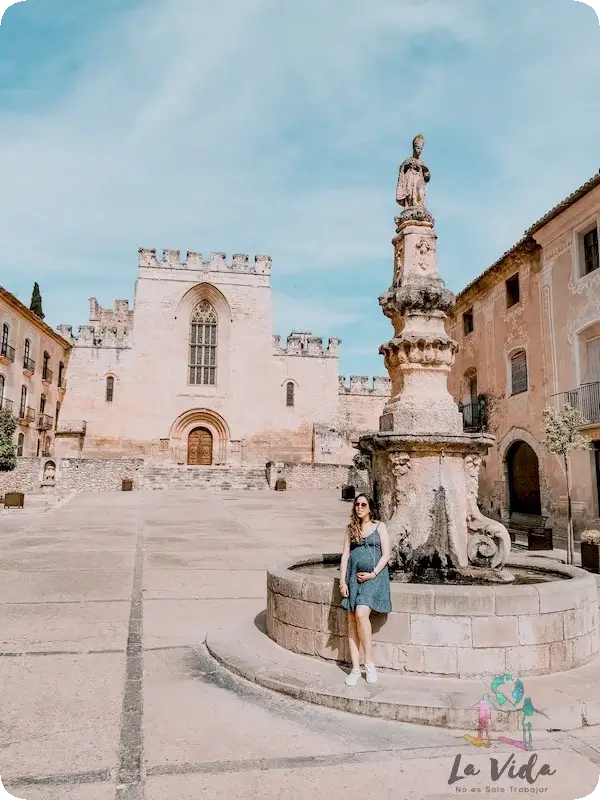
x=363, y=623
x=353, y=640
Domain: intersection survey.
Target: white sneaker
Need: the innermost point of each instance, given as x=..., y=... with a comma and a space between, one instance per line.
x=353, y=677
x=371, y=673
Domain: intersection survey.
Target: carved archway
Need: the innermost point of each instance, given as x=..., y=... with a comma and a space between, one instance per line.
x=523, y=472
x=513, y=437
x=200, y=419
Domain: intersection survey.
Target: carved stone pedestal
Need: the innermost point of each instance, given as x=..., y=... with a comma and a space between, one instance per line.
x=424, y=467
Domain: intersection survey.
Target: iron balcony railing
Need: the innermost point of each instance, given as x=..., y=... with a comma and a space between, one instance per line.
x=6, y=404
x=586, y=399
x=44, y=422
x=473, y=416
x=47, y=375
x=29, y=364
x=6, y=351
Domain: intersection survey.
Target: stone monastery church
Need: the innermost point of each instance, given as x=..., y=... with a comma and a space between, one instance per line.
x=194, y=375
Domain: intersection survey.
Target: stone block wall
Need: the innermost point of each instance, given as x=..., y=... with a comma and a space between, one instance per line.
x=73, y=475
x=317, y=476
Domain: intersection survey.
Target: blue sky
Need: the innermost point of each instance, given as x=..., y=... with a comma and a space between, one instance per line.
x=257, y=126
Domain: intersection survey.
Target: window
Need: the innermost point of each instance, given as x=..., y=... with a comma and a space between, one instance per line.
x=592, y=348
x=39, y=444
x=591, y=260
x=26, y=353
x=42, y=403
x=513, y=292
x=110, y=389
x=20, y=443
x=46, y=367
x=518, y=370
x=57, y=414
x=468, y=324
x=61, y=374
x=289, y=394
x=203, y=345
x=23, y=406
x=1, y=389
x=5, y=332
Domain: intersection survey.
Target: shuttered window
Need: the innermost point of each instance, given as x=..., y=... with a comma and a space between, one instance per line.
x=518, y=371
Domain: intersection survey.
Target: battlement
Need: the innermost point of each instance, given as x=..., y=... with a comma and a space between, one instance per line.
x=217, y=262
x=360, y=384
x=303, y=343
x=96, y=336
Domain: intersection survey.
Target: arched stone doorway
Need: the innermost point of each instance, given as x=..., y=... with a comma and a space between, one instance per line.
x=200, y=447
x=523, y=479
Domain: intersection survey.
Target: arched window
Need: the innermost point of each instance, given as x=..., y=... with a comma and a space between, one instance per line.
x=4, y=343
x=203, y=345
x=46, y=373
x=27, y=362
x=289, y=394
x=110, y=389
x=518, y=372
x=23, y=405
x=39, y=444
x=20, y=443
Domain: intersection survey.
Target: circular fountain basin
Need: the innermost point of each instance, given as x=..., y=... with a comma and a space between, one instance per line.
x=544, y=622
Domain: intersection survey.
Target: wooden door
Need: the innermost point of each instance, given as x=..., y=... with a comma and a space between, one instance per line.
x=200, y=446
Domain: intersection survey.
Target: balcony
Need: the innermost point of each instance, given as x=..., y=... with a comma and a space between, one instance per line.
x=6, y=404
x=47, y=375
x=30, y=414
x=29, y=365
x=7, y=353
x=473, y=416
x=44, y=422
x=71, y=427
x=586, y=400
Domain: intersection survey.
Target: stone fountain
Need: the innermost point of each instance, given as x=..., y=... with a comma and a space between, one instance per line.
x=463, y=606
x=424, y=468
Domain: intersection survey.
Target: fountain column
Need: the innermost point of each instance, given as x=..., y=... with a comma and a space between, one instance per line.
x=425, y=468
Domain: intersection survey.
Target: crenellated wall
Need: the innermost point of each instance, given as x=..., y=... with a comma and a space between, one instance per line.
x=217, y=262
x=303, y=343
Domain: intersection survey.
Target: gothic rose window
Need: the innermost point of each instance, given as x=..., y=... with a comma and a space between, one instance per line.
x=203, y=345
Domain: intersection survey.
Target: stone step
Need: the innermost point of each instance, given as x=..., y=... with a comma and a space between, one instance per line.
x=205, y=478
x=571, y=700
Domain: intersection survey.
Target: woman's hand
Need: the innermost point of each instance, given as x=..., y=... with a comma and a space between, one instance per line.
x=361, y=577
x=344, y=591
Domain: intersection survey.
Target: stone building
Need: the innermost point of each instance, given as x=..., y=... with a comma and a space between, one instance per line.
x=33, y=364
x=529, y=334
x=193, y=376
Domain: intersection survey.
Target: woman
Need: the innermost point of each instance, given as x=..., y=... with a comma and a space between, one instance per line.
x=364, y=582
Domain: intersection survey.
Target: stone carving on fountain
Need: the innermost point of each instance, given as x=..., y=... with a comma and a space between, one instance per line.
x=425, y=468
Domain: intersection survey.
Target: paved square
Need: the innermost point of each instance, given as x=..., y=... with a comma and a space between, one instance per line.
x=106, y=694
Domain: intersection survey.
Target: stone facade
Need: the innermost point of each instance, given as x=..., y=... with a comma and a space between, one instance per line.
x=33, y=365
x=139, y=385
x=529, y=335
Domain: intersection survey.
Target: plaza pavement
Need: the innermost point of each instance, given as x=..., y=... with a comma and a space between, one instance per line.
x=107, y=691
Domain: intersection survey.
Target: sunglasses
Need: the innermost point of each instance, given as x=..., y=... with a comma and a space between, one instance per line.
x=361, y=505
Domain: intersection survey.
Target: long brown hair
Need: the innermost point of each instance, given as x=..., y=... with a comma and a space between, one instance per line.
x=354, y=528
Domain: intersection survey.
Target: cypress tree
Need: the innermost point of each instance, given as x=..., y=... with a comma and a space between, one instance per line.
x=36, y=301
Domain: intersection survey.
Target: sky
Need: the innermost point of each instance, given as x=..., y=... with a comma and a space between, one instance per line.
x=256, y=126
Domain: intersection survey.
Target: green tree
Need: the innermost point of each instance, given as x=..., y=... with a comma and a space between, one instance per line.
x=8, y=426
x=562, y=438
x=36, y=301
